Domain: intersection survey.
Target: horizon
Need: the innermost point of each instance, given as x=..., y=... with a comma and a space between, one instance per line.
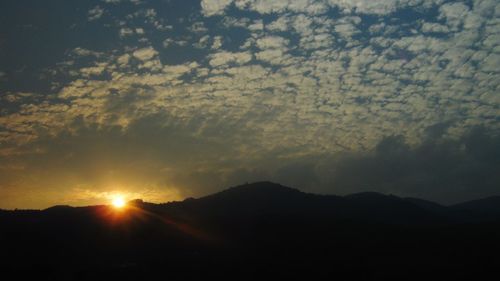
x=170, y=99
x=127, y=201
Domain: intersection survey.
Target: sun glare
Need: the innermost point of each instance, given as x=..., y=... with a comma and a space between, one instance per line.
x=118, y=202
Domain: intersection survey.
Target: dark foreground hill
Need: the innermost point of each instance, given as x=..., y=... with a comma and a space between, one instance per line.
x=253, y=232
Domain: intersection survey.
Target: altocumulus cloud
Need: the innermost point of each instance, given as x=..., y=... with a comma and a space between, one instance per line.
x=328, y=96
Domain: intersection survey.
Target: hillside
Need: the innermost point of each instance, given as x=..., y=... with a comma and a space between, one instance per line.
x=262, y=229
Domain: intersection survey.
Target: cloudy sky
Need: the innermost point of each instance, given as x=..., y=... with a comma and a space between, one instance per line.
x=168, y=99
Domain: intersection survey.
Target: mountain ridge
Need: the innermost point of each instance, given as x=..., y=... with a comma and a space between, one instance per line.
x=265, y=229
x=269, y=191
x=259, y=196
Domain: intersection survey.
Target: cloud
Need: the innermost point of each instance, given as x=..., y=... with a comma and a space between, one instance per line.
x=312, y=7
x=272, y=42
x=145, y=54
x=298, y=89
x=434, y=27
x=95, y=13
x=203, y=42
x=367, y=6
x=93, y=70
x=172, y=42
x=382, y=7
x=123, y=60
x=125, y=32
x=198, y=27
x=439, y=169
x=217, y=43
x=281, y=24
x=214, y=7
x=114, y=2
x=224, y=58
x=267, y=6
x=275, y=56
x=82, y=52
x=454, y=13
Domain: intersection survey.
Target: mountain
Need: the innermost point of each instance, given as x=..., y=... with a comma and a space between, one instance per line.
x=486, y=209
x=255, y=231
x=427, y=205
x=271, y=199
x=490, y=205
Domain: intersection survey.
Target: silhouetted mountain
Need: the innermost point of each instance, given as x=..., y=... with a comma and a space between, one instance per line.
x=427, y=205
x=255, y=231
x=267, y=198
x=481, y=209
x=443, y=212
x=490, y=205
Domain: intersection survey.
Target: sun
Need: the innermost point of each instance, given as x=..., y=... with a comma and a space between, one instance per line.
x=118, y=202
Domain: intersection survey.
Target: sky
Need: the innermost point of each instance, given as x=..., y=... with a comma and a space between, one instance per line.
x=168, y=99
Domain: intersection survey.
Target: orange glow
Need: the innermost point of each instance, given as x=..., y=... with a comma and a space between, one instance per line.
x=118, y=202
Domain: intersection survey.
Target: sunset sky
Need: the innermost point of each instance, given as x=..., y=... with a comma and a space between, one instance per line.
x=168, y=99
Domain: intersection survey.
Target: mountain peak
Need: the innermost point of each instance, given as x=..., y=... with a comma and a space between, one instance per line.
x=367, y=195
x=265, y=186
x=257, y=190
x=252, y=197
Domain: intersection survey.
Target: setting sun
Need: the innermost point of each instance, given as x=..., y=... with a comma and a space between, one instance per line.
x=118, y=202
